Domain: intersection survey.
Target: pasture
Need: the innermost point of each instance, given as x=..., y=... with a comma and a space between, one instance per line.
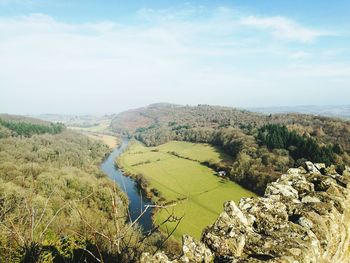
x=174, y=169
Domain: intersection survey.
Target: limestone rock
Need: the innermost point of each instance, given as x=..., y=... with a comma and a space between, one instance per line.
x=280, y=189
x=310, y=199
x=195, y=251
x=321, y=167
x=192, y=252
x=346, y=172
x=303, y=217
x=159, y=257
x=311, y=168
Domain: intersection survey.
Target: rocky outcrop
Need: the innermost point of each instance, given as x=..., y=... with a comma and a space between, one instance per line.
x=303, y=217
x=192, y=251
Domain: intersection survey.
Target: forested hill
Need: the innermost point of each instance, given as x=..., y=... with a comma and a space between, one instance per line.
x=56, y=205
x=13, y=125
x=262, y=146
x=163, y=115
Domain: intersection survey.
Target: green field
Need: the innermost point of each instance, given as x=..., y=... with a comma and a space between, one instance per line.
x=199, y=193
x=101, y=126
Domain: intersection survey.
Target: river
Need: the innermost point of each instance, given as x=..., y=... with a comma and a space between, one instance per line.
x=137, y=201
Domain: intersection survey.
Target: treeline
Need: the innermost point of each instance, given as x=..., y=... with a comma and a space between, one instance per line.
x=158, y=122
x=229, y=139
x=253, y=166
x=262, y=146
x=28, y=129
x=301, y=148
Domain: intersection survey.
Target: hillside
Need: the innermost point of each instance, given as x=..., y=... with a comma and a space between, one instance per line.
x=56, y=205
x=330, y=110
x=86, y=123
x=12, y=125
x=255, y=161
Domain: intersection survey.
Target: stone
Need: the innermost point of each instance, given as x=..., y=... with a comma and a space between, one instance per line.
x=293, y=171
x=346, y=172
x=311, y=168
x=281, y=189
x=194, y=251
x=159, y=257
x=303, y=217
x=305, y=222
x=310, y=199
x=320, y=166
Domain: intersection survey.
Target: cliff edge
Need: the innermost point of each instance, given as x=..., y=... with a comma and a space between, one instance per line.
x=303, y=217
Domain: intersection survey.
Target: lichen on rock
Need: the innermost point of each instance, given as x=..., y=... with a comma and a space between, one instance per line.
x=303, y=217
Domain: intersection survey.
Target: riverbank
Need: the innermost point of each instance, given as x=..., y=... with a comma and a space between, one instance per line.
x=137, y=201
x=174, y=173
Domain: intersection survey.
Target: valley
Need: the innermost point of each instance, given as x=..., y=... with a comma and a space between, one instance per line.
x=174, y=174
x=170, y=169
x=174, y=131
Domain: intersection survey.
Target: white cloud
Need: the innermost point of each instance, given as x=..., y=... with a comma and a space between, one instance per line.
x=51, y=66
x=300, y=55
x=284, y=28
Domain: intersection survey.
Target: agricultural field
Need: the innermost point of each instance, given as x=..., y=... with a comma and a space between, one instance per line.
x=109, y=140
x=97, y=126
x=175, y=170
x=86, y=123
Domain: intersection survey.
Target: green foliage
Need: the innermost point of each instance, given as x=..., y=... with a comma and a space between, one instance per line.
x=276, y=136
x=4, y=132
x=28, y=129
x=174, y=173
x=236, y=132
x=48, y=178
x=57, y=206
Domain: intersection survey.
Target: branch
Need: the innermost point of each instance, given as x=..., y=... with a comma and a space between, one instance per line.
x=169, y=235
x=91, y=254
x=49, y=223
x=42, y=214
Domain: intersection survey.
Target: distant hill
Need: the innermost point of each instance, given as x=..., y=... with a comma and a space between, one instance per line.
x=262, y=146
x=170, y=118
x=87, y=123
x=331, y=111
x=21, y=118
x=14, y=125
x=200, y=116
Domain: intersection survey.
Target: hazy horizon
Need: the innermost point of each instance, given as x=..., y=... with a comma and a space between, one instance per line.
x=316, y=109
x=265, y=109
x=59, y=57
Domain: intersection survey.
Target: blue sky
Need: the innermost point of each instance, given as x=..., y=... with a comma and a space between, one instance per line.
x=108, y=56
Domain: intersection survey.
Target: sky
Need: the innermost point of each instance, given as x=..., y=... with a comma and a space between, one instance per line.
x=79, y=57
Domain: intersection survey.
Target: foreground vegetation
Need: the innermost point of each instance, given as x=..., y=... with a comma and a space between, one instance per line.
x=260, y=153
x=55, y=203
x=174, y=174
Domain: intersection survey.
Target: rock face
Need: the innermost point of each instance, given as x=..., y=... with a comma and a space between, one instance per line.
x=192, y=251
x=303, y=217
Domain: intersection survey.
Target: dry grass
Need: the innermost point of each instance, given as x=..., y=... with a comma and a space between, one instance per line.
x=109, y=140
